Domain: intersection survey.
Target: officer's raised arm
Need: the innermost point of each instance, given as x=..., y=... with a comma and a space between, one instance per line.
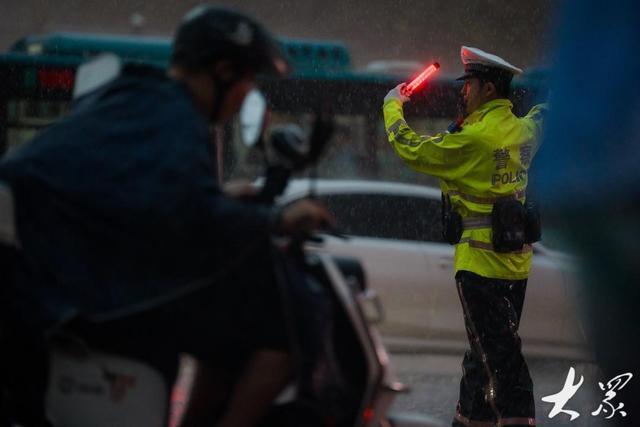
x=437, y=155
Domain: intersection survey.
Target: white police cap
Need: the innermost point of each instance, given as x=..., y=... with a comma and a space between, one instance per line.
x=477, y=61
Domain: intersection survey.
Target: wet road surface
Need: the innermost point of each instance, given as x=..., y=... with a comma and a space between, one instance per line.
x=434, y=381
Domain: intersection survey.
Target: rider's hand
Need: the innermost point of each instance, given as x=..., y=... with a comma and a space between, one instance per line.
x=240, y=189
x=397, y=93
x=304, y=217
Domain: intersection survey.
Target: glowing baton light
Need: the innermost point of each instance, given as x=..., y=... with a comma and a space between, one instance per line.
x=419, y=81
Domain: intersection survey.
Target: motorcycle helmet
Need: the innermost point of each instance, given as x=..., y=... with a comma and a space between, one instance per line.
x=208, y=34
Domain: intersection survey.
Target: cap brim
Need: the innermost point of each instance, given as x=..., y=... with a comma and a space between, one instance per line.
x=465, y=76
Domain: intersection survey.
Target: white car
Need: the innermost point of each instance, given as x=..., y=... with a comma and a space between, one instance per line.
x=395, y=231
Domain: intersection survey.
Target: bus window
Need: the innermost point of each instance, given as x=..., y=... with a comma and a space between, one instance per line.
x=26, y=117
x=345, y=156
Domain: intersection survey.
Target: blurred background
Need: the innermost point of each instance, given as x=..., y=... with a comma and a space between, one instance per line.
x=419, y=32
x=372, y=29
x=382, y=43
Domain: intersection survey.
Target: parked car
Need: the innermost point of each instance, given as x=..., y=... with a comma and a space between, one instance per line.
x=395, y=230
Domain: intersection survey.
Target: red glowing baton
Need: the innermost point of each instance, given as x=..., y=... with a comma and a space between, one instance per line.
x=414, y=84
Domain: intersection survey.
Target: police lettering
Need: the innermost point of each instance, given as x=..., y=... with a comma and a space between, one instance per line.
x=525, y=154
x=508, y=177
x=501, y=156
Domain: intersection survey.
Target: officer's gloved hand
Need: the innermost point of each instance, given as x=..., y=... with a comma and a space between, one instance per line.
x=397, y=93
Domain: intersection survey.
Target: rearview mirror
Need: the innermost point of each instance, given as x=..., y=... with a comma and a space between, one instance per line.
x=252, y=117
x=96, y=73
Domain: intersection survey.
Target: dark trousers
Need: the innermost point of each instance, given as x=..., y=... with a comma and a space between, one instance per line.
x=496, y=388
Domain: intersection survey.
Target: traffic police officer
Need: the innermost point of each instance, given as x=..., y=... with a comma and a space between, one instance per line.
x=482, y=162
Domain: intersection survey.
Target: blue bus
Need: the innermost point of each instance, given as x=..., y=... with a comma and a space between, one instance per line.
x=37, y=76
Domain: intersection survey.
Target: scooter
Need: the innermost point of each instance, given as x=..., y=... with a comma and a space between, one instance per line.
x=343, y=373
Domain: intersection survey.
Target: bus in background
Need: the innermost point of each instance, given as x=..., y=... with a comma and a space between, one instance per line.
x=37, y=77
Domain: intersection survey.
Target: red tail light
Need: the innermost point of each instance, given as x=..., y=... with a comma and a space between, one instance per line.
x=367, y=415
x=56, y=79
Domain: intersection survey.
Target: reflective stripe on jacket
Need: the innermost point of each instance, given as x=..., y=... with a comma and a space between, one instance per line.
x=488, y=159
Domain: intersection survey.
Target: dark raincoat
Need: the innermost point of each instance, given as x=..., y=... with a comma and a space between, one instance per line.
x=117, y=205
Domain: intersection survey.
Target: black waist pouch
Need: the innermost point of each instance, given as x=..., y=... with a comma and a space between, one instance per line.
x=508, y=220
x=451, y=222
x=452, y=227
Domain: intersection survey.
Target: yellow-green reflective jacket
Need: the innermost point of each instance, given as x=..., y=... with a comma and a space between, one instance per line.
x=486, y=160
